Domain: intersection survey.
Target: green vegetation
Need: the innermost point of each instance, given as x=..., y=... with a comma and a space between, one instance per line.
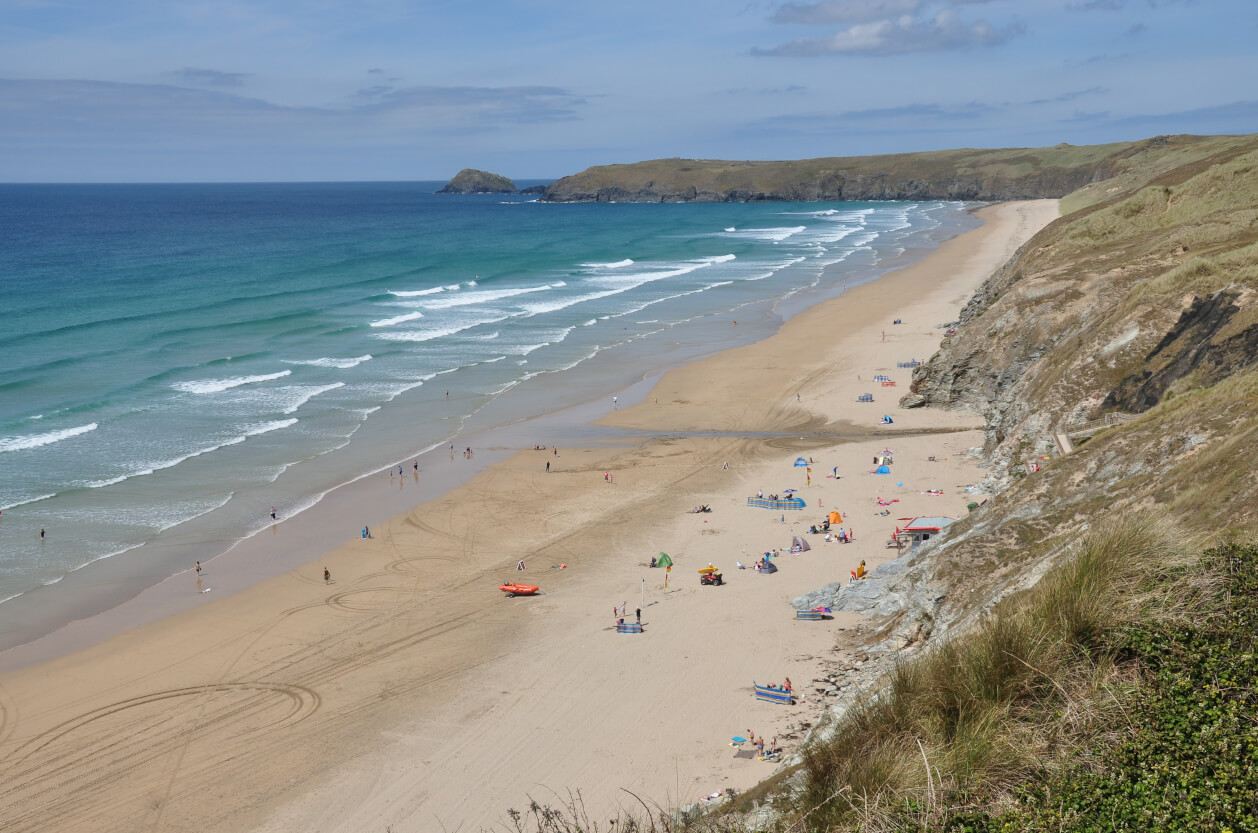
x=1189, y=759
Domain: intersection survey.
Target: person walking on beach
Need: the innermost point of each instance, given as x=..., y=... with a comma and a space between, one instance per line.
x=637, y=612
x=198, y=569
x=548, y=467
x=327, y=576
x=615, y=403
x=417, y=468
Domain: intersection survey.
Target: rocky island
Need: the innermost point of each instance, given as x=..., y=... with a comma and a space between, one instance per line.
x=471, y=181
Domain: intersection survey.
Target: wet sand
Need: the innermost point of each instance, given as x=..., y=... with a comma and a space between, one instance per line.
x=409, y=692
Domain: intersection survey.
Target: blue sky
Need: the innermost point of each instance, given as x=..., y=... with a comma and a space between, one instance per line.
x=270, y=90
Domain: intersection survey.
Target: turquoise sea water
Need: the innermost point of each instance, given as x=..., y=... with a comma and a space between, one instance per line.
x=177, y=359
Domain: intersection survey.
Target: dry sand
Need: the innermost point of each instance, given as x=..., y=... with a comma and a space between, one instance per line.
x=410, y=693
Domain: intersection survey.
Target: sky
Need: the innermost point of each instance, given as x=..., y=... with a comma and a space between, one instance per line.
x=327, y=90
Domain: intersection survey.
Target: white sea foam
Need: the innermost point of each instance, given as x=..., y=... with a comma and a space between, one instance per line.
x=731, y=228
x=775, y=235
x=551, y=336
x=397, y=319
x=452, y=287
x=218, y=385
x=100, y=484
x=484, y=296
x=438, y=332
x=268, y=427
x=343, y=364
x=25, y=501
x=414, y=293
x=620, y=264
x=251, y=431
x=37, y=440
x=306, y=393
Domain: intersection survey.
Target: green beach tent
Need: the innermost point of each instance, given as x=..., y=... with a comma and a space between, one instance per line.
x=664, y=560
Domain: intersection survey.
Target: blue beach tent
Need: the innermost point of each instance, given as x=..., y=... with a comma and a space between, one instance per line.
x=800, y=461
x=882, y=470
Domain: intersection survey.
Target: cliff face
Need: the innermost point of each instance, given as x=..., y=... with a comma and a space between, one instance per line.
x=981, y=175
x=470, y=181
x=1119, y=306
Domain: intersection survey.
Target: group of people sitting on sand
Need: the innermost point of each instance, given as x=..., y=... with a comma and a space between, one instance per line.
x=701, y=508
x=758, y=743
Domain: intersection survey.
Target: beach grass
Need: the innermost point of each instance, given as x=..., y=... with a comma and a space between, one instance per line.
x=1042, y=676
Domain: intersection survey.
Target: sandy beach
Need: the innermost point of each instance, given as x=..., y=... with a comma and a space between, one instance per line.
x=407, y=693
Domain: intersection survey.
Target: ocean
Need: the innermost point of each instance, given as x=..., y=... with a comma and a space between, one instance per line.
x=177, y=359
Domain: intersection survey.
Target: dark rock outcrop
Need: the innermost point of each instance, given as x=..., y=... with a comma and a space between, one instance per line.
x=470, y=181
x=1206, y=341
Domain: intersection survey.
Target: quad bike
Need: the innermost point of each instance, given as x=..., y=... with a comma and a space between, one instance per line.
x=714, y=579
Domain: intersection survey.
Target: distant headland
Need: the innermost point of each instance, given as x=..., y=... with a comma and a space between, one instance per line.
x=992, y=175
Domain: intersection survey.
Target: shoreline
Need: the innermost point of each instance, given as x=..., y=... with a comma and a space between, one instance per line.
x=381, y=699
x=34, y=629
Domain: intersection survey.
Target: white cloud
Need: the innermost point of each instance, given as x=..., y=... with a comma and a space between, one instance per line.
x=901, y=34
